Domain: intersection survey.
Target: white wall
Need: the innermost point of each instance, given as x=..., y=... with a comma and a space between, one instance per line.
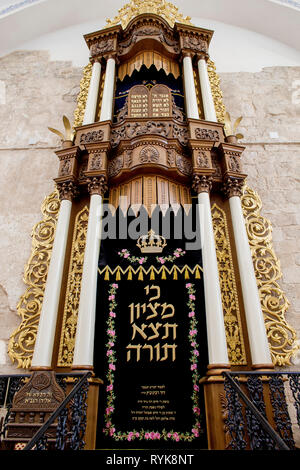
x=233, y=49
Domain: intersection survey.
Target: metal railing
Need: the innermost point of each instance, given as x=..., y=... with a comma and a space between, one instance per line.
x=69, y=418
x=258, y=411
x=67, y=436
x=258, y=415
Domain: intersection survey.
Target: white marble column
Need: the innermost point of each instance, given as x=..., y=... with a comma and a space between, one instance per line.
x=84, y=343
x=108, y=91
x=92, y=99
x=207, y=98
x=192, y=111
x=216, y=337
x=259, y=345
x=43, y=350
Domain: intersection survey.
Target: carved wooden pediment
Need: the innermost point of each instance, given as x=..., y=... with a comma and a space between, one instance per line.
x=145, y=27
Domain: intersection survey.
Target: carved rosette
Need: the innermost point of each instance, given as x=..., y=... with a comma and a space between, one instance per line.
x=202, y=183
x=97, y=185
x=282, y=337
x=184, y=165
x=149, y=154
x=22, y=340
x=115, y=166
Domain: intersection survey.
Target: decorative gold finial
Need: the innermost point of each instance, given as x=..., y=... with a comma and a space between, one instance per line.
x=69, y=134
x=165, y=9
x=151, y=243
x=229, y=129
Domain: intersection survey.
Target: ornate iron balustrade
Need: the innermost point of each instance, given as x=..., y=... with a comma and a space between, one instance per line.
x=70, y=415
x=258, y=417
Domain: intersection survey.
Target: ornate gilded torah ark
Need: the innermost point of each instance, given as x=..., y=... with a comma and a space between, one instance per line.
x=150, y=282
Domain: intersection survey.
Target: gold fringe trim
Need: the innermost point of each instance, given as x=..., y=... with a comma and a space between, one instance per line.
x=70, y=316
x=162, y=272
x=230, y=302
x=282, y=337
x=22, y=340
x=149, y=58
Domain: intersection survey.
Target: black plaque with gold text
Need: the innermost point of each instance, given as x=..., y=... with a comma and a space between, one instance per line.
x=150, y=345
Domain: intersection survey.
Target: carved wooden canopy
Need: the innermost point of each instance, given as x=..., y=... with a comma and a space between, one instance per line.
x=148, y=32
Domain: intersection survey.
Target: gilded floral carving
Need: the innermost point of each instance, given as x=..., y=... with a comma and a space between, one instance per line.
x=230, y=302
x=282, y=337
x=70, y=316
x=22, y=340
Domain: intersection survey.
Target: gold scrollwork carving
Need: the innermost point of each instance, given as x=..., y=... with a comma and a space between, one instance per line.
x=82, y=96
x=69, y=323
x=22, y=340
x=216, y=91
x=165, y=9
x=282, y=337
x=232, y=318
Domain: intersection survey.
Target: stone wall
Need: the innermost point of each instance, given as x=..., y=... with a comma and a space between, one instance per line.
x=35, y=93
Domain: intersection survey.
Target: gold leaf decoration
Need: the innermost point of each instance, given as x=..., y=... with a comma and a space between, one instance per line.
x=69, y=135
x=82, y=96
x=214, y=80
x=282, y=337
x=198, y=94
x=165, y=9
x=69, y=324
x=230, y=129
x=232, y=317
x=22, y=341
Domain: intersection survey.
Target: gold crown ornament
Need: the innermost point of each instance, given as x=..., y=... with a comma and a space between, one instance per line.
x=151, y=243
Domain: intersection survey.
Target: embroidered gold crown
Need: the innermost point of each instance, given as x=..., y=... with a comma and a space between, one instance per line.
x=151, y=243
